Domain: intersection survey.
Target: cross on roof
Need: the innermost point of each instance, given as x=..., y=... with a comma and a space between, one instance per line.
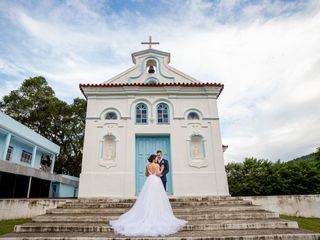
x=150, y=42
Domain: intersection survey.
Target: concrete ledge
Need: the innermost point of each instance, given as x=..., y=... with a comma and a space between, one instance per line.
x=27, y=208
x=293, y=205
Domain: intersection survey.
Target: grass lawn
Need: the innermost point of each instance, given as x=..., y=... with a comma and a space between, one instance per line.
x=6, y=226
x=312, y=224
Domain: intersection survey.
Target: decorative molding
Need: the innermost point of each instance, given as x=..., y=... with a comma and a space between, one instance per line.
x=92, y=118
x=122, y=92
x=203, y=85
x=208, y=118
x=108, y=163
x=198, y=163
x=201, y=161
x=143, y=68
x=192, y=97
x=151, y=79
x=98, y=118
x=146, y=51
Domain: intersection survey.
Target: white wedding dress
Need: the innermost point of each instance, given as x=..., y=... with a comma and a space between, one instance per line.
x=151, y=215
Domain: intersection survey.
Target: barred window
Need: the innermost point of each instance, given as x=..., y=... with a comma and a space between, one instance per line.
x=9, y=153
x=193, y=116
x=163, y=113
x=111, y=116
x=26, y=157
x=141, y=113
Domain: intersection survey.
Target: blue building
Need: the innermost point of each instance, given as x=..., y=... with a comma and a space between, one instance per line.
x=27, y=162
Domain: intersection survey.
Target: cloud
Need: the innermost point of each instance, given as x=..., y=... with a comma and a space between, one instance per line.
x=265, y=52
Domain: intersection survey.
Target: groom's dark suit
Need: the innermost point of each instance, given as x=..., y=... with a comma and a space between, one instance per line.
x=165, y=171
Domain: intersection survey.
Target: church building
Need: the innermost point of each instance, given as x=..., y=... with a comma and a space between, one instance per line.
x=152, y=106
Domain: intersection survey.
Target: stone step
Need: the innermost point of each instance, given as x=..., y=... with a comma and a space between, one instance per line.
x=208, y=218
x=104, y=201
x=247, y=234
x=173, y=204
x=205, y=209
x=104, y=218
x=191, y=226
x=171, y=199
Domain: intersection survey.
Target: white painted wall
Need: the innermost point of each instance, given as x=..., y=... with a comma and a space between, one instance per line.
x=118, y=179
x=293, y=205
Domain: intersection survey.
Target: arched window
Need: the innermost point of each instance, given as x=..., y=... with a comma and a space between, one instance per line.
x=193, y=116
x=141, y=113
x=111, y=116
x=163, y=113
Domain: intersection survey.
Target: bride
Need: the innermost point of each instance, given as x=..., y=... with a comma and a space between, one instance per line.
x=151, y=215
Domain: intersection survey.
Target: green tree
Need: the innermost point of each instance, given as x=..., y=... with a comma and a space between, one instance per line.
x=30, y=104
x=303, y=177
x=252, y=177
x=317, y=157
x=35, y=105
x=262, y=177
x=71, y=137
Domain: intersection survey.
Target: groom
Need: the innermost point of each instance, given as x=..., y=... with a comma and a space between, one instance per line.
x=164, y=162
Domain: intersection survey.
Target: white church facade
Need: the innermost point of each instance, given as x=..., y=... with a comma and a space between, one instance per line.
x=152, y=106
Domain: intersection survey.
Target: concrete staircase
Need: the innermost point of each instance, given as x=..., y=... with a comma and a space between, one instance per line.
x=208, y=218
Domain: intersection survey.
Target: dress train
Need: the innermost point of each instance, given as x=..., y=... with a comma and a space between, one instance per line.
x=151, y=215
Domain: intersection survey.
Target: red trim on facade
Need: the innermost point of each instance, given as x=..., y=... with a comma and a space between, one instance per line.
x=107, y=85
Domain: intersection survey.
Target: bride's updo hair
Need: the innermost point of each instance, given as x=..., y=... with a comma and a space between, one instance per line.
x=152, y=157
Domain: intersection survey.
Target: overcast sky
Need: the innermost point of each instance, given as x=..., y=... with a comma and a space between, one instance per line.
x=266, y=53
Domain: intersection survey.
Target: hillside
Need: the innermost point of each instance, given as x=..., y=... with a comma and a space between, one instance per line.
x=309, y=157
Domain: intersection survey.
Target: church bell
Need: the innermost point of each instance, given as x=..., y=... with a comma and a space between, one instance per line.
x=151, y=69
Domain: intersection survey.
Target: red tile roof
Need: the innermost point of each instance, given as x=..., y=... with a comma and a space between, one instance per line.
x=109, y=85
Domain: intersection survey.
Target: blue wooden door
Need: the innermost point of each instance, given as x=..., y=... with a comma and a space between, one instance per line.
x=145, y=146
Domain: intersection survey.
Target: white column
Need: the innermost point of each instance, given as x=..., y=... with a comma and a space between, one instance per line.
x=29, y=187
x=34, y=153
x=6, y=146
x=53, y=162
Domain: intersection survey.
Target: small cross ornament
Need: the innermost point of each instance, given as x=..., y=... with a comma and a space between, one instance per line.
x=150, y=42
